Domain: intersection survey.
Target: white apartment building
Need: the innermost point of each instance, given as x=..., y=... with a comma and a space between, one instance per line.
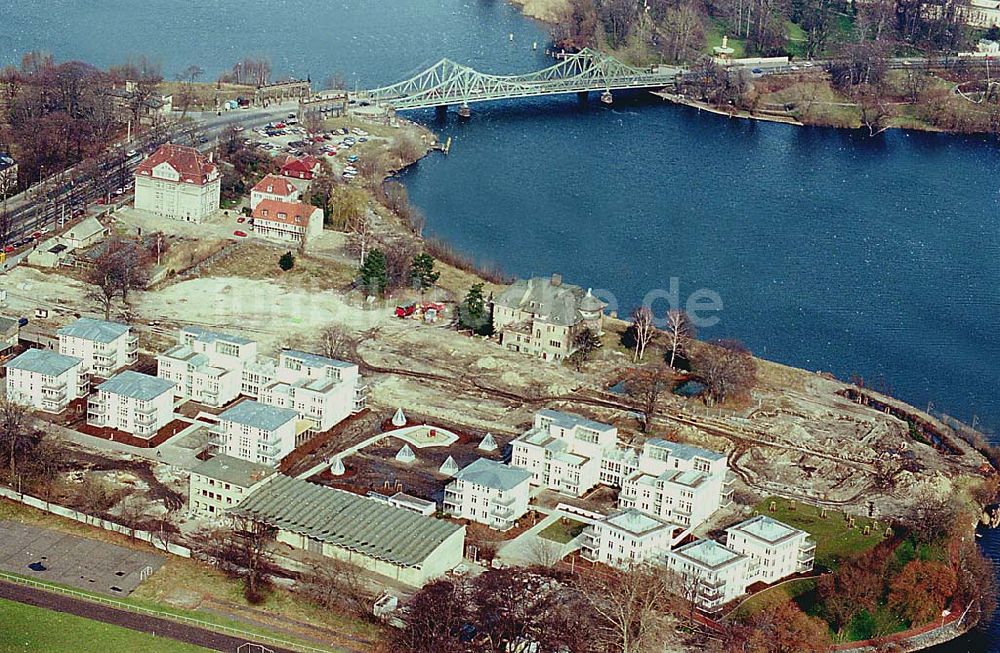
x=46, y=380
x=136, y=403
x=273, y=187
x=712, y=574
x=322, y=390
x=221, y=482
x=628, y=537
x=105, y=347
x=775, y=549
x=178, y=182
x=677, y=482
x=288, y=222
x=206, y=366
x=563, y=452
x=259, y=433
x=490, y=493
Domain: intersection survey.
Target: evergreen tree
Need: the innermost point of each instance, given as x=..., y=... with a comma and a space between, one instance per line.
x=422, y=273
x=473, y=313
x=373, y=273
x=287, y=261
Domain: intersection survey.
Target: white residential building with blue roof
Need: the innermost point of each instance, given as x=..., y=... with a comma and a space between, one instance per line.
x=678, y=482
x=490, y=493
x=136, y=403
x=207, y=366
x=713, y=574
x=323, y=390
x=259, y=433
x=105, y=347
x=776, y=549
x=46, y=380
x=628, y=537
x=563, y=451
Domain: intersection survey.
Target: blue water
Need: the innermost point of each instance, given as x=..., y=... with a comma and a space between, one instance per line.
x=828, y=250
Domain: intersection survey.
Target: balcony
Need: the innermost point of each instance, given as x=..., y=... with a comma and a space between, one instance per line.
x=97, y=407
x=145, y=419
x=504, y=512
x=808, y=546
x=452, y=495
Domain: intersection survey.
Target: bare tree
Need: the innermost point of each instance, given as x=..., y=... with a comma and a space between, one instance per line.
x=643, y=331
x=727, y=369
x=680, y=329
x=645, y=386
x=243, y=551
x=337, y=585
x=18, y=435
x=543, y=553
x=637, y=608
x=133, y=511
x=336, y=342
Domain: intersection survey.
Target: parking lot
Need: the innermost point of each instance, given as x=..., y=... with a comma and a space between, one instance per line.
x=291, y=138
x=88, y=564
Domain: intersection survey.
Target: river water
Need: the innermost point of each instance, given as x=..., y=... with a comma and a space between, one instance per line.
x=828, y=250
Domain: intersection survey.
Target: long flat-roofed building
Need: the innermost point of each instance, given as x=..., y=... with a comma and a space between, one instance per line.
x=136, y=403
x=776, y=549
x=713, y=574
x=46, y=380
x=222, y=481
x=400, y=544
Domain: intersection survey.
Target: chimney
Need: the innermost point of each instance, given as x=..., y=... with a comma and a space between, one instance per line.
x=211, y=156
x=556, y=279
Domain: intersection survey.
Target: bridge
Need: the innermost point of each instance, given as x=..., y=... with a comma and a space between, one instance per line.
x=446, y=82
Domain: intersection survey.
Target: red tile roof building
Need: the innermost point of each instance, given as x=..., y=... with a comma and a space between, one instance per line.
x=306, y=167
x=273, y=187
x=178, y=182
x=294, y=222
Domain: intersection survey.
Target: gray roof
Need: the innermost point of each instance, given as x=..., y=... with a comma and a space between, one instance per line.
x=256, y=414
x=765, y=528
x=237, y=471
x=7, y=323
x=136, y=385
x=87, y=228
x=206, y=335
x=315, y=360
x=43, y=361
x=708, y=553
x=492, y=474
x=6, y=161
x=636, y=522
x=96, y=330
x=570, y=420
x=558, y=304
x=369, y=527
x=685, y=451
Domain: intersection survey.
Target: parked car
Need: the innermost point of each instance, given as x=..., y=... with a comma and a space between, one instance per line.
x=241, y=219
x=131, y=153
x=241, y=234
x=9, y=248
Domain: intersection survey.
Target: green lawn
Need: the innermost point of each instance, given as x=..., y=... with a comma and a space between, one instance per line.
x=26, y=629
x=714, y=32
x=802, y=590
x=562, y=530
x=835, y=540
x=796, y=40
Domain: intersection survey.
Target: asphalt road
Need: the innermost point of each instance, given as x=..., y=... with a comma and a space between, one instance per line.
x=106, y=614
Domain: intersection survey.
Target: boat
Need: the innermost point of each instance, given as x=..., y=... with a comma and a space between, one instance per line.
x=607, y=98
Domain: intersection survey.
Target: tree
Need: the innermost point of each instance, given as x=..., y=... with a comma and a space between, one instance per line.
x=473, y=313
x=337, y=585
x=644, y=386
x=422, y=273
x=727, y=368
x=133, y=511
x=856, y=585
x=781, y=628
x=930, y=516
x=287, y=261
x=348, y=205
x=642, y=331
x=922, y=590
x=680, y=328
x=433, y=620
x=682, y=33
x=373, y=275
x=18, y=436
x=243, y=551
x=585, y=343
x=635, y=608
x=336, y=342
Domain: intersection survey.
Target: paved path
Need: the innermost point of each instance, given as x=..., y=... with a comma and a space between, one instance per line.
x=134, y=621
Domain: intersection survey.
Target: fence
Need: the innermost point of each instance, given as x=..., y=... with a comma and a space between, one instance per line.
x=55, y=509
x=170, y=616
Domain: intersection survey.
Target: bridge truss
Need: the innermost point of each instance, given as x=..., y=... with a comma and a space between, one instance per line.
x=447, y=82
